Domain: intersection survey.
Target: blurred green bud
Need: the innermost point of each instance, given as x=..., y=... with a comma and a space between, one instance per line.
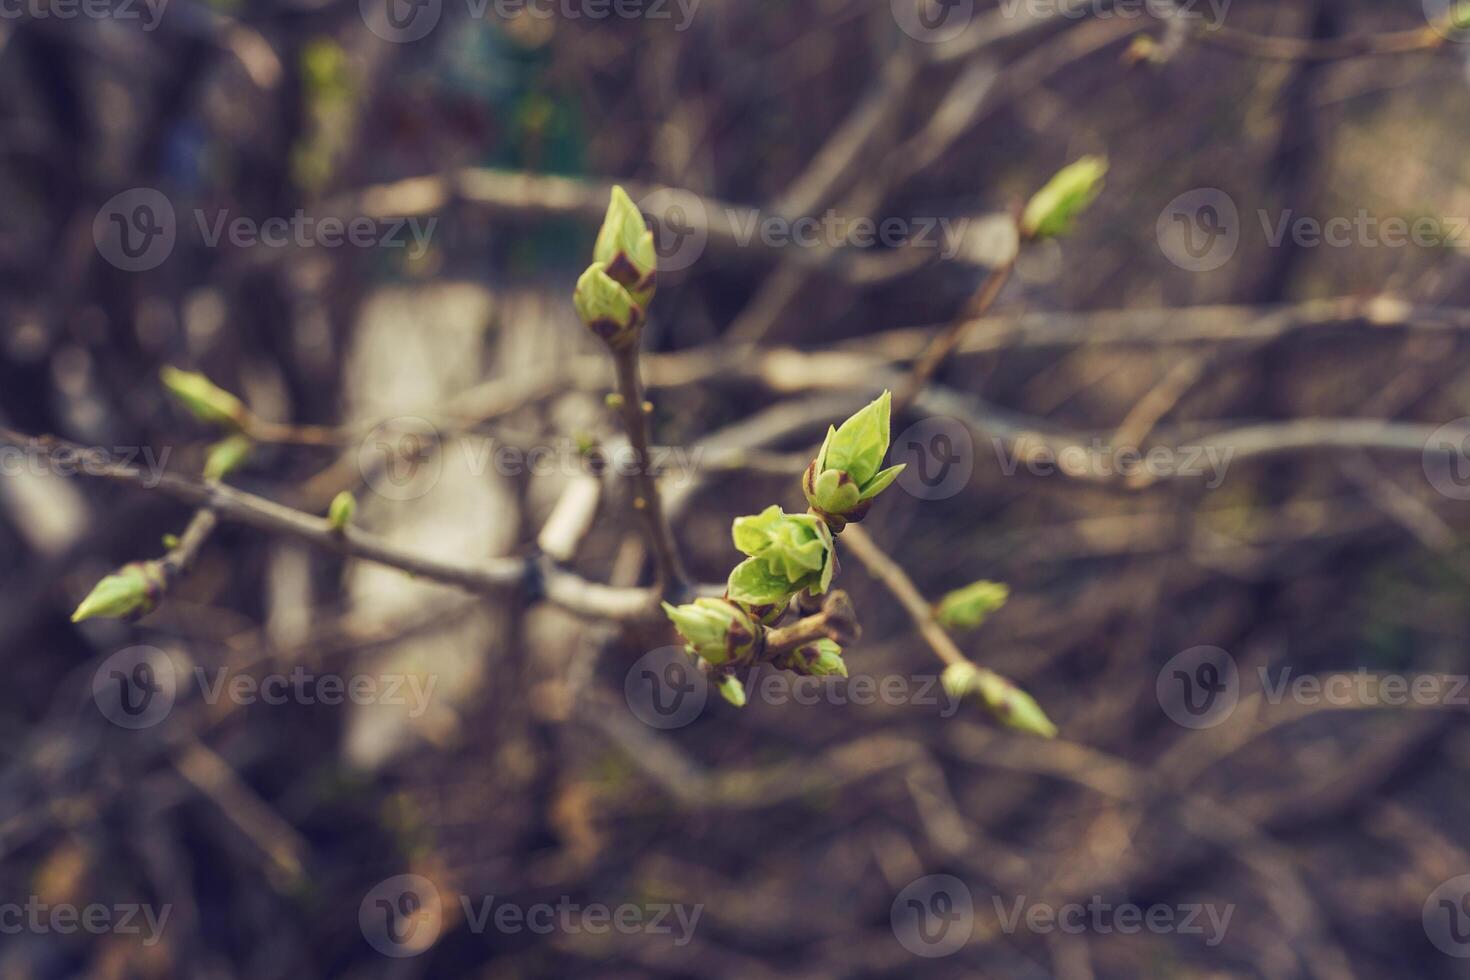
x=129, y=593
x=960, y=680
x=203, y=398
x=717, y=631
x=732, y=690
x=1057, y=205
x=625, y=248
x=1014, y=707
x=344, y=506
x=226, y=456
x=967, y=608
x=820, y=659
x=607, y=308
x=788, y=553
x=171, y=541
x=842, y=481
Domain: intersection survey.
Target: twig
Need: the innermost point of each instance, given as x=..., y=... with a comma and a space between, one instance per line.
x=673, y=582
x=485, y=575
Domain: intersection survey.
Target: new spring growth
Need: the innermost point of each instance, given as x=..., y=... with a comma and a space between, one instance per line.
x=842, y=481
x=967, y=608
x=340, y=513
x=612, y=296
x=822, y=658
x=787, y=553
x=226, y=456
x=731, y=690
x=716, y=631
x=1056, y=206
x=625, y=249
x=1010, y=705
x=131, y=592
x=203, y=398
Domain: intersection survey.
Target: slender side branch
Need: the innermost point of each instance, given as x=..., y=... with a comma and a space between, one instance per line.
x=673, y=582
x=485, y=575
x=946, y=343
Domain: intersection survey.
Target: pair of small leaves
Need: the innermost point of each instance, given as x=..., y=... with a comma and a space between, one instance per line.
x=846, y=475
x=787, y=553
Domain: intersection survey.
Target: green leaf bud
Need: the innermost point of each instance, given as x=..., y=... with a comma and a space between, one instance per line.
x=1054, y=208
x=1010, y=705
x=717, y=631
x=967, y=608
x=842, y=481
x=822, y=658
x=340, y=513
x=226, y=456
x=625, y=248
x=208, y=402
x=732, y=690
x=131, y=592
x=607, y=308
